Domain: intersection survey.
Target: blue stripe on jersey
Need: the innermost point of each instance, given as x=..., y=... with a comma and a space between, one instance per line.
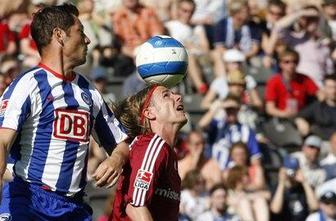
x=44, y=130
x=16, y=147
x=85, y=86
x=104, y=133
x=71, y=147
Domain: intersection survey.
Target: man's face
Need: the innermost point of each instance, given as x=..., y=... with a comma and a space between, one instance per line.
x=329, y=209
x=311, y=153
x=274, y=13
x=238, y=156
x=288, y=64
x=167, y=107
x=185, y=11
x=330, y=10
x=218, y=199
x=330, y=90
x=241, y=16
x=195, y=142
x=75, y=44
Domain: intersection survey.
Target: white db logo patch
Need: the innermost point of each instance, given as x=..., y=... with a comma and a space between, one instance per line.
x=5, y=217
x=71, y=125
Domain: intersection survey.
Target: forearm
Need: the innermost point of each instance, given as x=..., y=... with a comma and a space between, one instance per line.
x=277, y=201
x=206, y=119
x=121, y=152
x=275, y=112
x=138, y=213
x=310, y=196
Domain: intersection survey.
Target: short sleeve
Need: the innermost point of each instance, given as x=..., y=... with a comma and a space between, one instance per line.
x=311, y=87
x=15, y=103
x=271, y=90
x=107, y=130
x=147, y=166
x=253, y=145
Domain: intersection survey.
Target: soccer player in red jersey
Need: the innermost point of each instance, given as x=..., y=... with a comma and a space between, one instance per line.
x=149, y=187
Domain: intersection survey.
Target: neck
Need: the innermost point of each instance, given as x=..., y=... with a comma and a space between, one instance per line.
x=57, y=63
x=167, y=132
x=287, y=76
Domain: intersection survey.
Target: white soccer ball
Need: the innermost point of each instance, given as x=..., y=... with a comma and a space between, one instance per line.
x=162, y=60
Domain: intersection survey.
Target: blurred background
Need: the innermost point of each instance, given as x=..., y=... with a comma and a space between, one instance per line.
x=260, y=95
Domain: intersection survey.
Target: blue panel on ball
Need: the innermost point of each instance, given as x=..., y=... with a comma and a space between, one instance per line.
x=172, y=67
x=159, y=42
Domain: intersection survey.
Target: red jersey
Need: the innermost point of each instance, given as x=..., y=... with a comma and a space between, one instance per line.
x=6, y=36
x=150, y=179
x=299, y=88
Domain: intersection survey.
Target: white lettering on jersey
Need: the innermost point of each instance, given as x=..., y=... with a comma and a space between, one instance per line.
x=71, y=125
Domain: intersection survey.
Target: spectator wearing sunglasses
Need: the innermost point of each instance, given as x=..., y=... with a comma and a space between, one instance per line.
x=288, y=92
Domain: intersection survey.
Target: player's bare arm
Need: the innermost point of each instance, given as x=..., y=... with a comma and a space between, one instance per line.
x=109, y=170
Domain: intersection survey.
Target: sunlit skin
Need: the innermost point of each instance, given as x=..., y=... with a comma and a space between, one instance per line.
x=330, y=92
x=288, y=65
x=168, y=107
x=218, y=199
x=75, y=44
x=239, y=156
x=329, y=209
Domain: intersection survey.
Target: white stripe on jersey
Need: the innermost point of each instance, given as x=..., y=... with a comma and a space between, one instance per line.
x=78, y=169
x=148, y=163
x=56, y=150
x=135, y=193
x=245, y=133
x=29, y=128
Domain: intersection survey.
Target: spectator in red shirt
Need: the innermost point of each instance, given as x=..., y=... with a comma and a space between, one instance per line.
x=288, y=91
x=149, y=187
x=28, y=47
x=7, y=39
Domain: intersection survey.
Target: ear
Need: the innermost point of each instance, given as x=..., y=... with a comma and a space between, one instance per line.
x=149, y=113
x=59, y=36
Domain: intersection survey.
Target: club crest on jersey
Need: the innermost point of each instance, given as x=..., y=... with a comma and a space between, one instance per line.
x=143, y=179
x=71, y=125
x=3, y=107
x=86, y=98
x=5, y=217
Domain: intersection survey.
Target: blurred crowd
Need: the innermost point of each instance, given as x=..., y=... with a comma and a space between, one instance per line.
x=265, y=145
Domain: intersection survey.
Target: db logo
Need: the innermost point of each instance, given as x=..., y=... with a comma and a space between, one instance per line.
x=72, y=125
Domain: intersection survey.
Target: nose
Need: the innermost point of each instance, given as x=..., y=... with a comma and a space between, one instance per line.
x=87, y=40
x=178, y=97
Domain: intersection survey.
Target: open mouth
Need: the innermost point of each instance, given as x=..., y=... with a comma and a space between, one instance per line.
x=180, y=108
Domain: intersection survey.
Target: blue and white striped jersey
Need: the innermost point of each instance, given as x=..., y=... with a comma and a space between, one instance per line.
x=54, y=118
x=223, y=135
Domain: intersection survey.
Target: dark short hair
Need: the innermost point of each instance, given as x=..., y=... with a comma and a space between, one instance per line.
x=289, y=52
x=331, y=77
x=277, y=3
x=217, y=187
x=51, y=17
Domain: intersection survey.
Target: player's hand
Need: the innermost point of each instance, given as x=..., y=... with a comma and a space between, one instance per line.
x=108, y=172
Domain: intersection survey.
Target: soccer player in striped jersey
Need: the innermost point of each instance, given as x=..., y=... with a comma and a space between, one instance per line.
x=46, y=117
x=149, y=187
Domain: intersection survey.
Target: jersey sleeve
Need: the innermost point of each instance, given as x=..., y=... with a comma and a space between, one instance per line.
x=147, y=167
x=107, y=130
x=271, y=90
x=15, y=103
